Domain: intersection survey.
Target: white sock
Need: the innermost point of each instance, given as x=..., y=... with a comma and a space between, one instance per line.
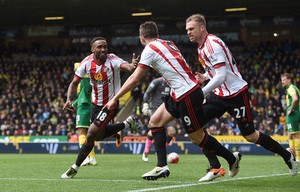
x=127, y=125
x=75, y=167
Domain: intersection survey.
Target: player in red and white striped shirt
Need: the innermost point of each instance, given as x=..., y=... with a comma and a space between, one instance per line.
x=227, y=91
x=105, y=78
x=103, y=69
x=184, y=102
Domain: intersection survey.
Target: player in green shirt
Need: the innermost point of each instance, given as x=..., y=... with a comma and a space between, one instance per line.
x=292, y=113
x=83, y=105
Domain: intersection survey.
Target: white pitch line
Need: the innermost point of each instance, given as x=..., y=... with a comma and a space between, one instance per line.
x=71, y=180
x=206, y=183
x=182, y=185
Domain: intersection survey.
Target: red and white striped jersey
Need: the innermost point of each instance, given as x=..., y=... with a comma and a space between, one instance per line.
x=105, y=78
x=167, y=60
x=214, y=53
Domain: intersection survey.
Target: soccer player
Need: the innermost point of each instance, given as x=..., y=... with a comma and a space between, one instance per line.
x=292, y=113
x=184, y=101
x=103, y=69
x=83, y=106
x=228, y=93
x=157, y=89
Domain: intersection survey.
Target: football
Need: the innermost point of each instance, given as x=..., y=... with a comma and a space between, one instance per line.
x=173, y=158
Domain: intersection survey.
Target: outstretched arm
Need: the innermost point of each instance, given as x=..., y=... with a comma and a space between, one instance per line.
x=129, y=84
x=129, y=67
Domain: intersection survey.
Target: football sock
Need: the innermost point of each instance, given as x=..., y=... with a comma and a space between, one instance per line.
x=83, y=152
x=212, y=145
x=74, y=166
x=148, y=145
x=297, y=148
x=212, y=158
x=292, y=144
x=92, y=153
x=81, y=140
x=270, y=144
x=111, y=129
x=159, y=138
x=127, y=125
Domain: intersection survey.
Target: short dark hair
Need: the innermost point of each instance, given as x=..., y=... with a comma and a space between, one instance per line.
x=149, y=30
x=96, y=39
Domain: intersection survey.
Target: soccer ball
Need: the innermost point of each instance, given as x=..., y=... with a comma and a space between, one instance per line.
x=173, y=158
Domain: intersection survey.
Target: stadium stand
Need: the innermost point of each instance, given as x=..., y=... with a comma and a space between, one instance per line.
x=34, y=82
x=37, y=56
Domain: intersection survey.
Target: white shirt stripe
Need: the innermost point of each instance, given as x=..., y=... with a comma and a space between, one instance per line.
x=165, y=58
x=105, y=78
x=213, y=53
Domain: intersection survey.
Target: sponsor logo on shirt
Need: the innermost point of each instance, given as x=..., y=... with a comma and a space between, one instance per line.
x=98, y=76
x=101, y=82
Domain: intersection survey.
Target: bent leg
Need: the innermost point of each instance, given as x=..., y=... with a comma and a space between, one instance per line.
x=268, y=143
x=157, y=122
x=204, y=140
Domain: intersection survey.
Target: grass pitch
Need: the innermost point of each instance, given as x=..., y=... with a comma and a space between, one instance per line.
x=41, y=173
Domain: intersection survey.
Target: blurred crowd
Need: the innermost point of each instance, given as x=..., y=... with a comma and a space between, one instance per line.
x=34, y=83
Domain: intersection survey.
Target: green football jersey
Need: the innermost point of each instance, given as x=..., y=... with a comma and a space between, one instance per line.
x=291, y=90
x=84, y=91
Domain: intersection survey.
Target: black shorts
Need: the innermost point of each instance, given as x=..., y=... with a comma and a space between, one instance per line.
x=238, y=107
x=102, y=118
x=95, y=111
x=188, y=109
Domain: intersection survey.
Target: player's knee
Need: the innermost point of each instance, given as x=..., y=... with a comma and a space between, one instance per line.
x=195, y=141
x=82, y=131
x=197, y=137
x=150, y=124
x=94, y=134
x=154, y=123
x=90, y=138
x=253, y=138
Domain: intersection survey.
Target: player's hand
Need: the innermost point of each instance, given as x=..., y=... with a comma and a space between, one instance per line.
x=68, y=106
x=146, y=110
x=200, y=77
x=111, y=105
x=135, y=60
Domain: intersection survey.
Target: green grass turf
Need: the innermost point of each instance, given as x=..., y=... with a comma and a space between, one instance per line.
x=41, y=173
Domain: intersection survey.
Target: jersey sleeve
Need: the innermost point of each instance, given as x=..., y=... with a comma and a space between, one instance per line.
x=146, y=56
x=291, y=90
x=81, y=71
x=117, y=61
